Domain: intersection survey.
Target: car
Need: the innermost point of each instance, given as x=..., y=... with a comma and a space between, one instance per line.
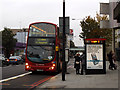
x=15, y=60
x=3, y=60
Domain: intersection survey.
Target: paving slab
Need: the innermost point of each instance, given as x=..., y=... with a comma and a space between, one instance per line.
x=108, y=80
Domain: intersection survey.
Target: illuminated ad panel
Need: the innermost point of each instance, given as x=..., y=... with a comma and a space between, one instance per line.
x=94, y=56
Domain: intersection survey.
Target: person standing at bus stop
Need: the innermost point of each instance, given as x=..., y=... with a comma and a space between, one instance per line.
x=83, y=62
x=77, y=63
x=111, y=58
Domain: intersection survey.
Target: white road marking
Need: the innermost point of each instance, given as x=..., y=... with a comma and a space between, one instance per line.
x=15, y=77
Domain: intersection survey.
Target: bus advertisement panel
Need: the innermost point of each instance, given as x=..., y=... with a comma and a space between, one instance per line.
x=94, y=56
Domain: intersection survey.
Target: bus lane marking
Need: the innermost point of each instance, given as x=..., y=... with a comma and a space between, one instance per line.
x=14, y=77
x=39, y=82
x=4, y=84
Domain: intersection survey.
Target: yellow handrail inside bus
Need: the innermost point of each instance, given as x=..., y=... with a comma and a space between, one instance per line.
x=39, y=29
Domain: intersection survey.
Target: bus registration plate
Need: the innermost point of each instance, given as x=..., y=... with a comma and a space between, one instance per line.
x=39, y=70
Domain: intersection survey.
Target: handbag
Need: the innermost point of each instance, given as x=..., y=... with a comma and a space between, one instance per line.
x=77, y=62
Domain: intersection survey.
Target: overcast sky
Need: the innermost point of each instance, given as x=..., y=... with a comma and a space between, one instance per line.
x=20, y=13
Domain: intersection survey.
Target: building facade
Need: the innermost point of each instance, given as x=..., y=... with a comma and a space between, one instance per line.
x=113, y=10
x=117, y=17
x=21, y=36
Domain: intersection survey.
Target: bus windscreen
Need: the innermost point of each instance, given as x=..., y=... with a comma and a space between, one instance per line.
x=40, y=54
x=41, y=42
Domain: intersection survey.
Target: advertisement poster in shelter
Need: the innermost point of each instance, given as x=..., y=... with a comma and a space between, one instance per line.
x=94, y=56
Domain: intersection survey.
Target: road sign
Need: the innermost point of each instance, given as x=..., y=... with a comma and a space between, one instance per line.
x=67, y=25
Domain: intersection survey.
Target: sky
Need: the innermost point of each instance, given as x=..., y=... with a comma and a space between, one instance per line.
x=18, y=14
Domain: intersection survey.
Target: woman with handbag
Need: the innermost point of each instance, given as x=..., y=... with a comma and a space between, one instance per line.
x=77, y=63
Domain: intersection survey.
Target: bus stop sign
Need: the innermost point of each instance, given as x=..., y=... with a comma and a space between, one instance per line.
x=95, y=56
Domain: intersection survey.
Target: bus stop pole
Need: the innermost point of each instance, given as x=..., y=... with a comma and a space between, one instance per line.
x=63, y=61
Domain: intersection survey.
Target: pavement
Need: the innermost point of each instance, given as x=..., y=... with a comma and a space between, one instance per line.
x=108, y=80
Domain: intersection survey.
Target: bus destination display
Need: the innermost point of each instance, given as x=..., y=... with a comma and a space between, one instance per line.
x=41, y=41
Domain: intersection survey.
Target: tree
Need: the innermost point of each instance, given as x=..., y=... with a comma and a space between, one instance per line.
x=91, y=29
x=72, y=45
x=8, y=42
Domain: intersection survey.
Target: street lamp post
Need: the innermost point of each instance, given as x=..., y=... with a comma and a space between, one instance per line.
x=64, y=39
x=24, y=35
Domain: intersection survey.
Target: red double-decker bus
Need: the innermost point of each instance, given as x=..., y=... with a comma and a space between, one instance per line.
x=43, y=48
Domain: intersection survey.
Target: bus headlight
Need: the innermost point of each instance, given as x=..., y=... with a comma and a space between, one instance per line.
x=27, y=66
x=26, y=63
x=51, y=68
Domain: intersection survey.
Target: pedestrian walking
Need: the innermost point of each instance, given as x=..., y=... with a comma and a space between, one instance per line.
x=77, y=63
x=83, y=63
x=114, y=60
x=111, y=58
